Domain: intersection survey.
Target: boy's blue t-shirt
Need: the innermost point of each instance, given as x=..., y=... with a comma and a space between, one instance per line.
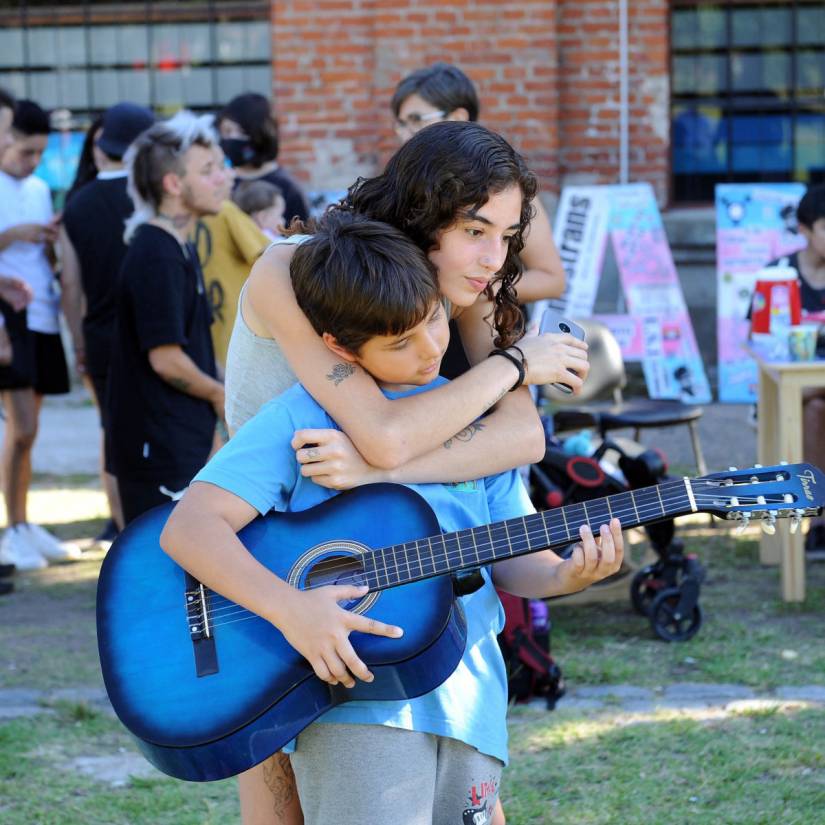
x=258, y=465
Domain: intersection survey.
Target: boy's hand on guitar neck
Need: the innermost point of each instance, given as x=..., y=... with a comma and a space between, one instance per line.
x=592, y=559
x=314, y=623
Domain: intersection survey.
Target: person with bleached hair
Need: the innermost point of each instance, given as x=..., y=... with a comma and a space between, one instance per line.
x=163, y=399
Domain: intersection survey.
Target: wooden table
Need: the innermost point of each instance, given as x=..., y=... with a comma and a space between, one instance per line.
x=780, y=439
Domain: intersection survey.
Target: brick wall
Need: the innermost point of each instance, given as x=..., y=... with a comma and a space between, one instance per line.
x=547, y=75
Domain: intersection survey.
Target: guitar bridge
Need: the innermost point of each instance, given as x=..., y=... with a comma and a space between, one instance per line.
x=201, y=631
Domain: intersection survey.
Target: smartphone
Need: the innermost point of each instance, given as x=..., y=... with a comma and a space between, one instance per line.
x=553, y=321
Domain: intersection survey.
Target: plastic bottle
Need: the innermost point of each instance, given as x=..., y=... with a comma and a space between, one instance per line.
x=539, y=616
x=579, y=444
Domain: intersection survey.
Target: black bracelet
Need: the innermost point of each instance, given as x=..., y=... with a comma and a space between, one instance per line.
x=519, y=365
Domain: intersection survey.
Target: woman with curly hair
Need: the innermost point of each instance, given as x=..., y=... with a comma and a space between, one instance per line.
x=465, y=197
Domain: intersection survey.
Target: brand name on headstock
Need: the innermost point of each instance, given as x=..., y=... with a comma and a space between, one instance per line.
x=807, y=479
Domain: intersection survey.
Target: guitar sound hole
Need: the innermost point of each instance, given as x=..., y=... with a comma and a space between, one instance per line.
x=336, y=570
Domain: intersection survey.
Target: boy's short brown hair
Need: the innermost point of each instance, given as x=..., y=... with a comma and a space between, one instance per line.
x=356, y=278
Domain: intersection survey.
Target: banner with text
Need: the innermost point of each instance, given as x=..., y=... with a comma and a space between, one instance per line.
x=657, y=329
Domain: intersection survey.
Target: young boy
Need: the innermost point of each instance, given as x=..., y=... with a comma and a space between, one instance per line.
x=372, y=296
x=264, y=203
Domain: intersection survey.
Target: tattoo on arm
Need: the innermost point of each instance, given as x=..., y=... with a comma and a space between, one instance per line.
x=340, y=372
x=465, y=435
x=180, y=384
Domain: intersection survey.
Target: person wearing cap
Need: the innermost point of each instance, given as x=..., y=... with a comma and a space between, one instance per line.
x=92, y=250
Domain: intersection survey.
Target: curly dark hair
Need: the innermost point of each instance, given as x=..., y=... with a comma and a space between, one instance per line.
x=441, y=172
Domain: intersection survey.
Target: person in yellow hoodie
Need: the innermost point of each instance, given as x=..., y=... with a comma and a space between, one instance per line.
x=228, y=244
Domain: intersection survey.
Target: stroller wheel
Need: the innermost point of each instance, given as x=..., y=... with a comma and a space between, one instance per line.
x=668, y=622
x=644, y=588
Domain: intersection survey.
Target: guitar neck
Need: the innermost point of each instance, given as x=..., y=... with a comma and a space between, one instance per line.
x=476, y=546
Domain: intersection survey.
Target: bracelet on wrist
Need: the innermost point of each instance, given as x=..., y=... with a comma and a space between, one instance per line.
x=519, y=364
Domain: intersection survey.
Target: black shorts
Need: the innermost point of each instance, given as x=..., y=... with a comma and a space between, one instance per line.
x=139, y=495
x=37, y=361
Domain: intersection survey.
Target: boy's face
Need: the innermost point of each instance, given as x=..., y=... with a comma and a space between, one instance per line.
x=271, y=218
x=815, y=236
x=23, y=156
x=412, y=358
x=470, y=252
x=203, y=182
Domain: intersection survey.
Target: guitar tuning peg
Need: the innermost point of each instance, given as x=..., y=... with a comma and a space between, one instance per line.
x=783, y=463
x=757, y=466
x=731, y=469
x=745, y=523
x=769, y=524
x=796, y=519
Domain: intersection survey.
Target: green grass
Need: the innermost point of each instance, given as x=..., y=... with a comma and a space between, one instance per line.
x=760, y=765
x=753, y=769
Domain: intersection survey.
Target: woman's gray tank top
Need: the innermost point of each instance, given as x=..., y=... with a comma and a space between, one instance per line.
x=256, y=367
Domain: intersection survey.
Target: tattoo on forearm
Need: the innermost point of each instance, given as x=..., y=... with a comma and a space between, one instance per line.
x=280, y=780
x=180, y=384
x=340, y=372
x=465, y=435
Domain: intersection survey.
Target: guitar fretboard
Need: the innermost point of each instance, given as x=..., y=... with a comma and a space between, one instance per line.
x=476, y=546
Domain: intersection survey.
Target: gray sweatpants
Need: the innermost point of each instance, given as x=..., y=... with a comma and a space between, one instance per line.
x=378, y=775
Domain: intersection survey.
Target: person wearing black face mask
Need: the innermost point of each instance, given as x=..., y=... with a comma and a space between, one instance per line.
x=249, y=139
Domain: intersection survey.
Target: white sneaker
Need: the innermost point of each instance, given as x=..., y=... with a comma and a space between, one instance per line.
x=17, y=548
x=49, y=547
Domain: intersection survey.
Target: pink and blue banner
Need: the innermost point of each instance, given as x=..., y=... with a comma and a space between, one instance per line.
x=755, y=225
x=657, y=329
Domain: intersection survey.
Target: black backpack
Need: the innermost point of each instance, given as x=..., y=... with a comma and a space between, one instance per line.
x=531, y=670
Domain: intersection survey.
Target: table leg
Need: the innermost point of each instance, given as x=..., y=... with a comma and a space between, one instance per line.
x=789, y=443
x=770, y=547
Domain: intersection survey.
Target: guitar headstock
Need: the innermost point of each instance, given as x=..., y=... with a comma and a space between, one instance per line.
x=768, y=493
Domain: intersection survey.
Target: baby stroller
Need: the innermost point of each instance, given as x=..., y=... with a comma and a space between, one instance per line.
x=666, y=591
x=573, y=470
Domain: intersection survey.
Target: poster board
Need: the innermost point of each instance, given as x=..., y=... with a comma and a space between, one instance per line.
x=755, y=225
x=656, y=329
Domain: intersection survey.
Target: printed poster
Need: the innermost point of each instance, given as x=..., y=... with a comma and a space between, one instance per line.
x=755, y=225
x=657, y=329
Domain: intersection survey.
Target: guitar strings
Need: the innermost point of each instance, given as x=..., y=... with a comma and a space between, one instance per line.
x=536, y=517
x=230, y=607
x=221, y=615
x=227, y=608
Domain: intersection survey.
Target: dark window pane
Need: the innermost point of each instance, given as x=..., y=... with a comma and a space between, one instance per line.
x=810, y=144
x=810, y=73
x=810, y=25
x=761, y=27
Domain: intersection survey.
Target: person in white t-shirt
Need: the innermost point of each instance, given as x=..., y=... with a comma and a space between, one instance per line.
x=38, y=366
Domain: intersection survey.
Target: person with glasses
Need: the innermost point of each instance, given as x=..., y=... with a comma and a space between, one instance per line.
x=443, y=92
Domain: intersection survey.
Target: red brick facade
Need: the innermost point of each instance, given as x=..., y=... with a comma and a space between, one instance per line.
x=547, y=72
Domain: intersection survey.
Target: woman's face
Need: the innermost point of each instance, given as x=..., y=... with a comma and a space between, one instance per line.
x=469, y=253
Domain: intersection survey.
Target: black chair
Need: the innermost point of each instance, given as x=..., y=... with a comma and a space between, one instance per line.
x=607, y=376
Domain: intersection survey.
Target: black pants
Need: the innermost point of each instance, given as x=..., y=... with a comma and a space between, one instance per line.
x=139, y=495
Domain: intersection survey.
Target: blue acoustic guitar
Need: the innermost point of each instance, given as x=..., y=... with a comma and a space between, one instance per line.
x=210, y=689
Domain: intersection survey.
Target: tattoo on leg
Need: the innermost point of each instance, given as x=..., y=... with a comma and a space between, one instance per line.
x=340, y=372
x=280, y=780
x=465, y=435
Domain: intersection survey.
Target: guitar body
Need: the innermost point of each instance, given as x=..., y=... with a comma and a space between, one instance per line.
x=254, y=692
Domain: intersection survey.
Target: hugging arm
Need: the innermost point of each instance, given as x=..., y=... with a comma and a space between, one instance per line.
x=387, y=433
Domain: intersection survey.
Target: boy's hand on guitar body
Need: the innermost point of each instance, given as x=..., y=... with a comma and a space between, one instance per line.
x=593, y=559
x=330, y=459
x=555, y=358
x=317, y=627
